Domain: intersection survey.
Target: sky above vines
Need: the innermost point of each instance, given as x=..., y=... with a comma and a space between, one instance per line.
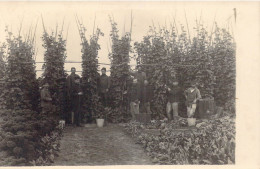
x=145, y=14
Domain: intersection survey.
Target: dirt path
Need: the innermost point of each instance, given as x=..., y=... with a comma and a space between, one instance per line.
x=99, y=146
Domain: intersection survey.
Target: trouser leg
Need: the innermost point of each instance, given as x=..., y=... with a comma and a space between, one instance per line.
x=132, y=110
x=193, y=108
x=168, y=110
x=148, y=108
x=77, y=118
x=136, y=108
x=175, y=108
x=105, y=99
x=188, y=111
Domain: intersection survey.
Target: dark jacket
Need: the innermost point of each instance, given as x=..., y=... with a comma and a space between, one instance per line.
x=71, y=83
x=140, y=76
x=134, y=93
x=174, y=94
x=76, y=99
x=147, y=93
x=191, y=96
x=104, y=83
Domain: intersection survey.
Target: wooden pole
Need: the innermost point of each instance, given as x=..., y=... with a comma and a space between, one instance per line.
x=187, y=26
x=94, y=25
x=43, y=24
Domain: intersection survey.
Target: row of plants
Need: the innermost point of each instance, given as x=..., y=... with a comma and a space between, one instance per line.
x=24, y=128
x=208, y=58
x=210, y=142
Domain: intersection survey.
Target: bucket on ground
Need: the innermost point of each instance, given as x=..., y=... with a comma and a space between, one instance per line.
x=100, y=122
x=191, y=121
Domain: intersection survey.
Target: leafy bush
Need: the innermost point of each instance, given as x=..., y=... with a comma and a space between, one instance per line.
x=54, y=57
x=120, y=59
x=90, y=75
x=48, y=148
x=19, y=134
x=211, y=142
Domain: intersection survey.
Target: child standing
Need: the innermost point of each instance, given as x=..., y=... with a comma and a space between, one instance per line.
x=173, y=98
x=192, y=94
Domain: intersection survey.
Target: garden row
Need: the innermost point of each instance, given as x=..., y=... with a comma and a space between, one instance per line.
x=210, y=142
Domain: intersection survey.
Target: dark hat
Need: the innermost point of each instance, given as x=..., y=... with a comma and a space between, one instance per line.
x=73, y=68
x=104, y=69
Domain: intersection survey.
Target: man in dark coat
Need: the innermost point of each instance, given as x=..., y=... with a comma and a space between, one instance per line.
x=104, y=85
x=71, y=85
x=76, y=101
x=173, y=97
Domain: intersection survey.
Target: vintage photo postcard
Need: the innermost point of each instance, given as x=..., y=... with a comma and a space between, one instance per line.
x=130, y=84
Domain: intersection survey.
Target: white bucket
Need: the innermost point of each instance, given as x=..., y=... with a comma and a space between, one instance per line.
x=191, y=121
x=100, y=122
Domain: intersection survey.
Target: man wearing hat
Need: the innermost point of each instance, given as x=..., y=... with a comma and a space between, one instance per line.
x=71, y=87
x=46, y=98
x=103, y=87
x=71, y=81
x=192, y=95
x=173, y=98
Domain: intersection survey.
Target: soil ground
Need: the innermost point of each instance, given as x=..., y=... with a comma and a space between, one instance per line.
x=91, y=145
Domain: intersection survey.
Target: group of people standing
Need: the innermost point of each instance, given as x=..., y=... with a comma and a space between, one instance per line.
x=139, y=93
x=74, y=94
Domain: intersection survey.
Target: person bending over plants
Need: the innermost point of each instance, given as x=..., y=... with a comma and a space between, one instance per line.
x=192, y=95
x=134, y=98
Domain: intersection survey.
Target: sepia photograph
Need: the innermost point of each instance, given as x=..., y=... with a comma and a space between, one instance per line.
x=119, y=83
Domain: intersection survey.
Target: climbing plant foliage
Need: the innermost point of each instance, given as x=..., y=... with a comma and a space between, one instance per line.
x=19, y=133
x=120, y=59
x=90, y=75
x=207, y=58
